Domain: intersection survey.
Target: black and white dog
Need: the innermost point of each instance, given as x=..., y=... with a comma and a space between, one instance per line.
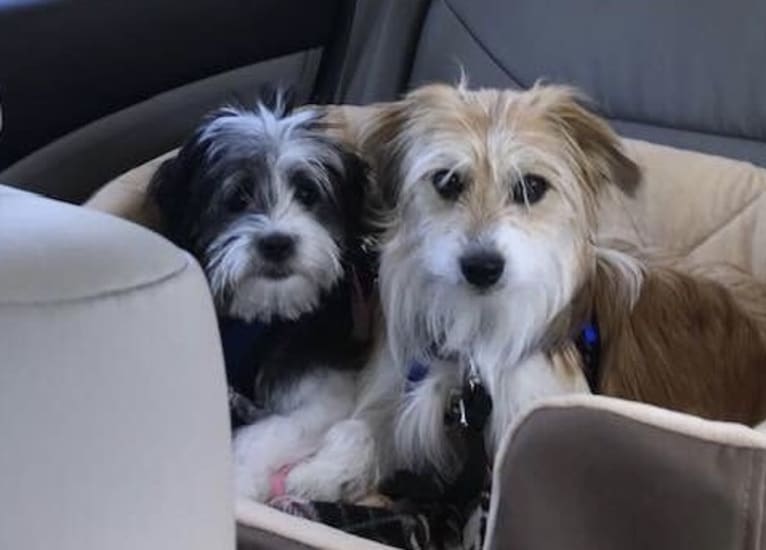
x=272, y=207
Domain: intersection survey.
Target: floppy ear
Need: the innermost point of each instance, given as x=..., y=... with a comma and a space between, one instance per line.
x=605, y=159
x=166, y=189
x=360, y=209
x=183, y=185
x=355, y=183
x=380, y=141
x=172, y=187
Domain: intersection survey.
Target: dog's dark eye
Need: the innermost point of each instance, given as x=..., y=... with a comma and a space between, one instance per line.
x=448, y=184
x=530, y=189
x=305, y=190
x=237, y=201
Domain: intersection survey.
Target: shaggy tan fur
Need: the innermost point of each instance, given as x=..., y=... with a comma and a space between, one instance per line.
x=695, y=340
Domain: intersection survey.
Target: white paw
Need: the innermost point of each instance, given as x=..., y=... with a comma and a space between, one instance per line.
x=251, y=484
x=344, y=468
x=251, y=474
x=261, y=449
x=309, y=480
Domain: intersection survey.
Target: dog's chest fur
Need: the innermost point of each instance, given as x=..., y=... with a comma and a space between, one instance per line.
x=284, y=352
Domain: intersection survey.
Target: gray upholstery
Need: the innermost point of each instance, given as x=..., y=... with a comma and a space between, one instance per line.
x=114, y=430
x=686, y=73
x=377, y=63
x=695, y=67
x=73, y=167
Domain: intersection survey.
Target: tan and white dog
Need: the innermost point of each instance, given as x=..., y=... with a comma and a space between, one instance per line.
x=490, y=258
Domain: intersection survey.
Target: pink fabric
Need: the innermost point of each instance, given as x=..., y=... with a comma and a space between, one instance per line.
x=278, y=480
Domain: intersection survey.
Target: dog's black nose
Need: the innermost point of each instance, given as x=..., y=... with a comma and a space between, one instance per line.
x=276, y=247
x=482, y=268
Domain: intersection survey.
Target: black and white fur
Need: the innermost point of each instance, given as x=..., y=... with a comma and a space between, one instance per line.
x=272, y=209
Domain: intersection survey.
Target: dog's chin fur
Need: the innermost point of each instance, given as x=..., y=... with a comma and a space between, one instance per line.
x=244, y=290
x=427, y=302
x=264, y=299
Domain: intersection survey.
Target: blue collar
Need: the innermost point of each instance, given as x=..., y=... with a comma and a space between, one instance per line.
x=588, y=343
x=416, y=373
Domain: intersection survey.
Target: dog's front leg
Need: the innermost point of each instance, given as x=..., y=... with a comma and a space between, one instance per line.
x=281, y=441
x=261, y=449
x=356, y=452
x=515, y=389
x=342, y=469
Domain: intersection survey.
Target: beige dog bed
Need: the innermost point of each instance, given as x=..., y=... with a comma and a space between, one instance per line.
x=590, y=472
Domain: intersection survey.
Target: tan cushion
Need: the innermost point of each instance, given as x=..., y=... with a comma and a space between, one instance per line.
x=710, y=208
x=126, y=196
x=579, y=474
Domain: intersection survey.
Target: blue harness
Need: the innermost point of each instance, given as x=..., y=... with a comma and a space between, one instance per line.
x=237, y=339
x=588, y=343
x=416, y=373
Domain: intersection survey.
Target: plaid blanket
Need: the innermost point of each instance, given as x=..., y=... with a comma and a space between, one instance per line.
x=414, y=529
